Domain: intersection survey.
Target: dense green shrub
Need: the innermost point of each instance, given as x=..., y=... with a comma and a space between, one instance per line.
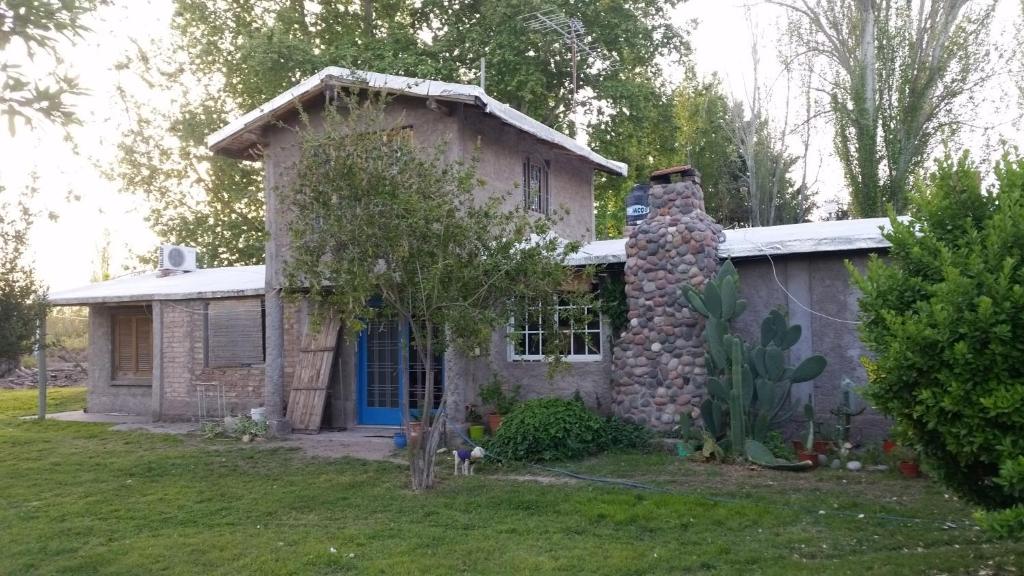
x=944, y=315
x=557, y=429
x=622, y=435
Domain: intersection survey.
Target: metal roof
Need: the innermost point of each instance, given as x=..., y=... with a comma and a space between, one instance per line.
x=812, y=237
x=205, y=283
x=240, y=135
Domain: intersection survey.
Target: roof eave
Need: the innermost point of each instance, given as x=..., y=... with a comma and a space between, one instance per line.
x=145, y=298
x=241, y=138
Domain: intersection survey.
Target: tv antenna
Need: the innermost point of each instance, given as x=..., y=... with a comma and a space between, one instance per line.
x=572, y=32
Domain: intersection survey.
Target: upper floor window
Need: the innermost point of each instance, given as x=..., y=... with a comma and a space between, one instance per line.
x=535, y=185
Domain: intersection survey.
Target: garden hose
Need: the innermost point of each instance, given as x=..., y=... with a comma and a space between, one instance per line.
x=715, y=499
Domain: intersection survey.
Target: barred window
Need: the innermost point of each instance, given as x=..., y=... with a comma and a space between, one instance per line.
x=535, y=186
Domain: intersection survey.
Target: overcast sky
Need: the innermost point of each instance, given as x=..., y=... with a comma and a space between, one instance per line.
x=65, y=252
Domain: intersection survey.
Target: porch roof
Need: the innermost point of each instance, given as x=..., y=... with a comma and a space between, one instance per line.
x=205, y=283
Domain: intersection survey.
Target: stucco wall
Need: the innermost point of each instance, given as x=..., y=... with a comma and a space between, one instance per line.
x=592, y=379
x=103, y=395
x=502, y=150
x=821, y=282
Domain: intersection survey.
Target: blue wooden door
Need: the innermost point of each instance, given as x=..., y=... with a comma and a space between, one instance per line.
x=384, y=375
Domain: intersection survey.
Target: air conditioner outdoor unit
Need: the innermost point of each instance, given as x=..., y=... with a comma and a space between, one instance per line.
x=177, y=258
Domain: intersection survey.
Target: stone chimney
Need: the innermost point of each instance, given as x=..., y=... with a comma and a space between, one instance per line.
x=659, y=372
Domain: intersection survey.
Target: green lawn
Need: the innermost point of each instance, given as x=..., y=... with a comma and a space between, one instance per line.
x=15, y=403
x=79, y=499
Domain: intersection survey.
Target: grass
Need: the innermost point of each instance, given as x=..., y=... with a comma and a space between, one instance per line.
x=80, y=499
x=16, y=403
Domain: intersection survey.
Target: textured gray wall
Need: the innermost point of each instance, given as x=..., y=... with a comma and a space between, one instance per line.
x=103, y=395
x=822, y=283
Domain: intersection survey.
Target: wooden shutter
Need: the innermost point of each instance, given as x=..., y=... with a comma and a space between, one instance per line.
x=133, y=345
x=124, y=349
x=234, y=333
x=144, y=345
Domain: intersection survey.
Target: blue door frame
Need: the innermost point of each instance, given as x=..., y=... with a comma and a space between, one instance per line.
x=383, y=374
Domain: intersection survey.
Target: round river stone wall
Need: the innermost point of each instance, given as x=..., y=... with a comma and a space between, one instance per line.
x=658, y=361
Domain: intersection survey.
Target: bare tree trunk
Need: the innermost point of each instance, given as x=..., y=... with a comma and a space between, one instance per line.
x=423, y=453
x=366, y=7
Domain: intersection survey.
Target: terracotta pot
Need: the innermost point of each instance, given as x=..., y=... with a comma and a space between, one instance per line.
x=910, y=469
x=888, y=446
x=413, y=430
x=822, y=447
x=493, y=422
x=805, y=456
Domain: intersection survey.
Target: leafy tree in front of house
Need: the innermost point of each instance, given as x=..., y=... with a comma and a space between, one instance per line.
x=20, y=293
x=233, y=55
x=944, y=316
x=399, y=233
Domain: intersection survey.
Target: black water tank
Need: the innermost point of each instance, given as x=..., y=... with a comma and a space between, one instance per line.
x=637, y=205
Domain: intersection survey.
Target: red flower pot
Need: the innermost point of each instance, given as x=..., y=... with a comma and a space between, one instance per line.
x=798, y=446
x=805, y=456
x=493, y=422
x=888, y=446
x=910, y=469
x=822, y=447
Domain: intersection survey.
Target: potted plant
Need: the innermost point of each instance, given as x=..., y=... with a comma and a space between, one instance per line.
x=498, y=401
x=414, y=427
x=908, y=463
x=476, y=424
x=400, y=440
x=888, y=445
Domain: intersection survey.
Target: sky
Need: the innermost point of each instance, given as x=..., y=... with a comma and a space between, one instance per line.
x=65, y=252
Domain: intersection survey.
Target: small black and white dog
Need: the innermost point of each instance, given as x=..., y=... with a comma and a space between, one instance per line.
x=466, y=459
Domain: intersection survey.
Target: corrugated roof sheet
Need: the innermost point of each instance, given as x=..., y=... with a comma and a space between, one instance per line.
x=813, y=237
x=837, y=236
x=205, y=283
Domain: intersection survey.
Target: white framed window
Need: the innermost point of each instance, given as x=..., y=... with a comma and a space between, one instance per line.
x=535, y=185
x=581, y=338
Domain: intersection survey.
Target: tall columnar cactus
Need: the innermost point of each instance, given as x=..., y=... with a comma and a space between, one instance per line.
x=751, y=381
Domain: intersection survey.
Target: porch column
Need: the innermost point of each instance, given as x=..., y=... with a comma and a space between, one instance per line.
x=41, y=361
x=273, y=388
x=156, y=400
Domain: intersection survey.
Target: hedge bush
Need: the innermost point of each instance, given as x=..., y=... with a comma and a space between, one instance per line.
x=944, y=315
x=546, y=429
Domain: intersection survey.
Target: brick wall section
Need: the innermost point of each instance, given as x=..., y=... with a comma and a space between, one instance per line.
x=183, y=367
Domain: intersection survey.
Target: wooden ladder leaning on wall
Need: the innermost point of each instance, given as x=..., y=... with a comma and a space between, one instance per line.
x=308, y=395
